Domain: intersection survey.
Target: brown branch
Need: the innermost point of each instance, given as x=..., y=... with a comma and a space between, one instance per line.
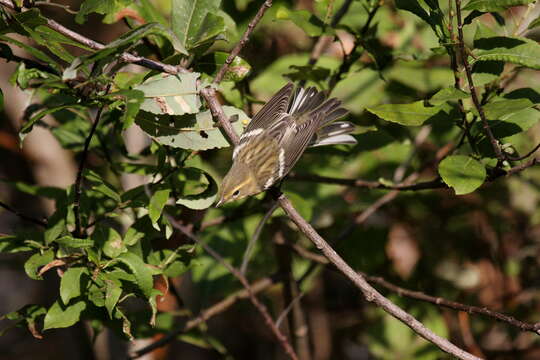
x=216, y=309
x=526, y=155
x=126, y=57
x=418, y=295
x=370, y=293
x=245, y=37
x=209, y=95
x=472, y=89
x=282, y=339
x=23, y=216
x=471, y=309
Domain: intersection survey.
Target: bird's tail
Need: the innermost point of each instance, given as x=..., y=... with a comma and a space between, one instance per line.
x=329, y=131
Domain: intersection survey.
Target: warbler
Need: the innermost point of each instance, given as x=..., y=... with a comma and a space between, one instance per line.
x=278, y=134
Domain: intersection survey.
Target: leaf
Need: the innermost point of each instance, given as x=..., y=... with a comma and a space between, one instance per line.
x=112, y=294
x=59, y=316
x=194, y=22
x=494, y=5
x=512, y=124
x=32, y=265
x=413, y=114
x=463, y=173
x=203, y=199
x=38, y=54
x=110, y=241
x=101, y=186
x=74, y=243
x=448, y=94
x=194, y=132
x=142, y=274
x=27, y=127
x=516, y=50
x=311, y=24
x=171, y=94
x=13, y=244
x=157, y=203
x=211, y=63
x=131, y=101
x=498, y=110
x=70, y=284
x=100, y=7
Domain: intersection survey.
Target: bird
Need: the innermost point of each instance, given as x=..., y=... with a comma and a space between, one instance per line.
x=277, y=136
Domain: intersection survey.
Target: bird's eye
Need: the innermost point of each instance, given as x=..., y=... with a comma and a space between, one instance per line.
x=235, y=194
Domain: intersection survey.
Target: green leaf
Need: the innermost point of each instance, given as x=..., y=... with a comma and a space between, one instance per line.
x=70, y=284
x=463, y=173
x=171, y=94
x=494, y=5
x=498, y=110
x=311, y=24
x=194, y=132
x=32, y=265
x=59, y=316
x=112, y=294
x=101, y=7
x=157, y=203
x=211, y=63
x=110, y=241
x=131, y=101
x=448, y=94
x=27, y=127
x=515, y=50
x=142, y=274
x=13, y=244
x=74, y=243
x=201, y=200
x=194, y=21
x=56, y=225
x=38, y=54
x=99, y=185
x=413, y=114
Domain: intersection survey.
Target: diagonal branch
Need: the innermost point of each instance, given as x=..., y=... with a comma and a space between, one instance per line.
x=245, y=37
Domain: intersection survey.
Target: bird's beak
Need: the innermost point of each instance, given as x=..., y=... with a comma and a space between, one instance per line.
x=219, y=203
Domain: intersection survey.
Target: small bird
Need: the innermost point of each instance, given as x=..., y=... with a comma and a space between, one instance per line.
x=278, y=134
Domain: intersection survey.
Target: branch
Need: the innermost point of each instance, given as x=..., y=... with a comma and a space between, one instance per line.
x=370, y=293
x=358, y=183
x=126, y=57
x=23, y=216
x=418, y=295
x=209, y=95
x=282, y=339
x=216, y=309
x=78, y=180
x=245, y=37
x=472, y=89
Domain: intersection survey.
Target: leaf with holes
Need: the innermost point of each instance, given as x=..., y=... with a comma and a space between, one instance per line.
x=171, y=94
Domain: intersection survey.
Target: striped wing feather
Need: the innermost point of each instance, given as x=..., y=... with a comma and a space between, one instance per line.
x=272, y=110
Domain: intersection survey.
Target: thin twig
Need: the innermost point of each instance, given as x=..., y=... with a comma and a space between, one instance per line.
x=255, y=237
x=209, y=95
x=126, y=57
x=282, y=339
x=527, y=154
x=78, y=180
x=463, y=54
x=245, y=37
x=23, y=216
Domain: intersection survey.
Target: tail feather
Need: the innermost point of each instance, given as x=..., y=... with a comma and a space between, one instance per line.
x=329, y=131
x=335, y=133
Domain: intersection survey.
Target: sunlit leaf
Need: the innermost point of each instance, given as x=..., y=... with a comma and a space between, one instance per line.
x=462, y=173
